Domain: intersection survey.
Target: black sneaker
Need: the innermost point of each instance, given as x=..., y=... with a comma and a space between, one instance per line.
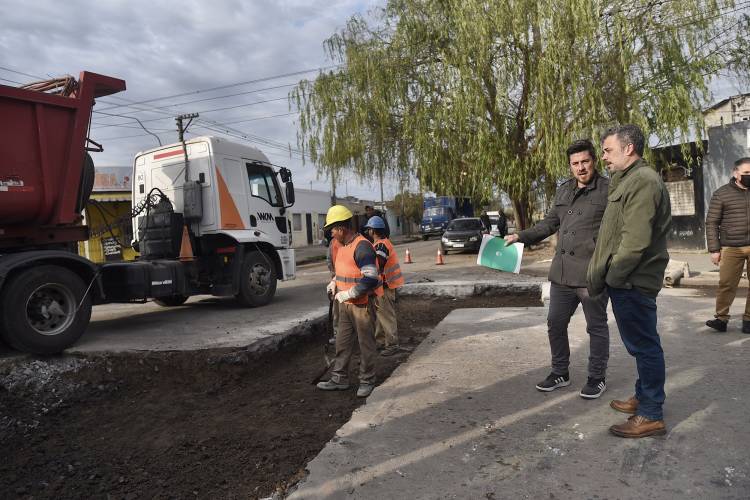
x=553, y=381
x=745, y=326
x=717, y=324
x=594, y=388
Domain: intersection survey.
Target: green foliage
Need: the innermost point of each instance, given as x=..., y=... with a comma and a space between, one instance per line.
x=410, y=206
x=474, y=96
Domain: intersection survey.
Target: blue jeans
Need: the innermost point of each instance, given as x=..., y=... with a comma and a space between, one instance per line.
x=635, y=314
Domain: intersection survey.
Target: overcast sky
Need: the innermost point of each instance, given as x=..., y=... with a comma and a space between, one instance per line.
x=166, y=48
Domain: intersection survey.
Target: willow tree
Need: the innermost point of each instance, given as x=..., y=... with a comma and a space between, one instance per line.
x=474, y=96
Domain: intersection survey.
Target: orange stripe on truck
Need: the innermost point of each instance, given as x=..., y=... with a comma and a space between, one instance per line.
x=230, y=216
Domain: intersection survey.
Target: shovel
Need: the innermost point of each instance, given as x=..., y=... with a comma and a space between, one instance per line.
x=328, y=359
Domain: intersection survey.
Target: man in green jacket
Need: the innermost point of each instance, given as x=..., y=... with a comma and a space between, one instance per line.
x=629, y=262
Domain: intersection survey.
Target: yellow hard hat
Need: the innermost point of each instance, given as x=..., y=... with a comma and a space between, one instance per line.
x=337, y=213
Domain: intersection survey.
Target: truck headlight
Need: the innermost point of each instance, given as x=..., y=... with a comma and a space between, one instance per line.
x=444, y=239
x=474, y=238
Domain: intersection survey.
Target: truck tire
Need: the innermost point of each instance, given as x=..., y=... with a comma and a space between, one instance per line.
x=41, y=312
x=257, y=280
x=171, y=301
x=425, y=237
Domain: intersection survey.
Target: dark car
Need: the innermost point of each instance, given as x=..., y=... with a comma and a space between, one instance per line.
x=462, y=234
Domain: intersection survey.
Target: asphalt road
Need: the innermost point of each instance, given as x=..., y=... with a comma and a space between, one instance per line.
x=206, y=322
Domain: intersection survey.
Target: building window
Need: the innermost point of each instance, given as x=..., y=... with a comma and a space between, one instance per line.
x=296, y=222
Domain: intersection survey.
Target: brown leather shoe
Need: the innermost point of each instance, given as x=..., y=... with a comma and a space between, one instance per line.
x=639, y=426
x=629, y=406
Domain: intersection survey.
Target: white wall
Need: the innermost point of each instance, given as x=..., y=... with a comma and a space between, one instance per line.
x=736, y=109
x=315, y=203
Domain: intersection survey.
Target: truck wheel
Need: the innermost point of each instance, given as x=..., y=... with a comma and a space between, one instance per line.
x=171, y=301
x=425, y=237
x=41, y=312
x=257, y=280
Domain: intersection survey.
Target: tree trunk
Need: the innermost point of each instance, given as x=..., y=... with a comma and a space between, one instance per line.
x=522, y=212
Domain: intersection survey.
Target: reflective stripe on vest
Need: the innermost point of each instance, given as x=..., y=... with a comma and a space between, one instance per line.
x=392, y=271
x=348, y=274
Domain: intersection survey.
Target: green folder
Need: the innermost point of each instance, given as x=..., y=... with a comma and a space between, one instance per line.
x=496, y=254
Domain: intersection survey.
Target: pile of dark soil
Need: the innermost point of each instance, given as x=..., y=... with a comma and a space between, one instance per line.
x=210, y=424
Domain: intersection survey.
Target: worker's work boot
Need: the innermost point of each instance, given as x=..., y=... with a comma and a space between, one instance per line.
x=630, y=405
x=717, y=324
x=364, y=390
x=331, y=385
x=639, y=426
x=390, y=350
x=745, y=326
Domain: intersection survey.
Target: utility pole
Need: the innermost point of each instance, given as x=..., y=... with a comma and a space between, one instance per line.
x=403, y=204
x=382, y=198
x=181, y=135
x=333, y=187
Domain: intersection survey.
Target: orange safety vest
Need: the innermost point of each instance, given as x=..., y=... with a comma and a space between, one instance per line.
x=348, y=274
x=391, y=275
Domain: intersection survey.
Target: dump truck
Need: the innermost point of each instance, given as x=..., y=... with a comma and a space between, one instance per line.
x=208, y=217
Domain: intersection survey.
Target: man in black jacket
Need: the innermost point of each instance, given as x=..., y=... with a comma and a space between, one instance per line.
x=728, y=237
x=576, y=214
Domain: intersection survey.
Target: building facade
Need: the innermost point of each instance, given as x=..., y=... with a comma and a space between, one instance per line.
x=734, y=109
x=107, y=214
x=308, y=216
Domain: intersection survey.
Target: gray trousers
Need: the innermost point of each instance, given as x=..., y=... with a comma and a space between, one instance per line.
x=563, y=302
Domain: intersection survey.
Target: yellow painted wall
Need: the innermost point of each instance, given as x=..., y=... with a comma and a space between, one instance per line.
x=95, y=220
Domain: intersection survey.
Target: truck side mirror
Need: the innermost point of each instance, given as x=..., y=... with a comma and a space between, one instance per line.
x=290, y=193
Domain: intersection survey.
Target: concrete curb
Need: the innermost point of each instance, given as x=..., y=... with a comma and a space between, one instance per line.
x=463, y=289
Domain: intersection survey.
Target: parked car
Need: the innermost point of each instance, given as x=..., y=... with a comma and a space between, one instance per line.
x=462, y=234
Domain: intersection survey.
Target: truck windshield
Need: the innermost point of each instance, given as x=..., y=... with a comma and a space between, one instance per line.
x=465, y=225
x=436, y=212
x=263, y=183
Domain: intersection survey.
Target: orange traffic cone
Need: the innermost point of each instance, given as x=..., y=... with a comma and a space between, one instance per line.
x=407, y=257
x=439, y=259
x=186, y=248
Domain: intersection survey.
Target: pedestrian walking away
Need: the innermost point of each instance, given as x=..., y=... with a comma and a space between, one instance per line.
x=629, y=263
x=486, y=224
x=575, y=216
x=357, y=283
x=386, y=324
x=728, y=240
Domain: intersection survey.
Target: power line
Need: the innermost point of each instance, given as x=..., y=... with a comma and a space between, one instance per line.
x=21, y=73
x=169, y=115
x=258, y=118
x=222, y=87
x=165, y=107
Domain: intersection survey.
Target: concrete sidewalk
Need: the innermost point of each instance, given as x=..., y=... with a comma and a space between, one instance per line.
x=702, y=271
x=461, y=418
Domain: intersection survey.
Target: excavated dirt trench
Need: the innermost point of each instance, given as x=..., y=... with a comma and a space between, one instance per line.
x=207, y=424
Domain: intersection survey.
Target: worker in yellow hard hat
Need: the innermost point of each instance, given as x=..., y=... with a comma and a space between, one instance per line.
x=356, y=284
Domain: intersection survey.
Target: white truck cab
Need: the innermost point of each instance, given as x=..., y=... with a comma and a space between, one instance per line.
x=240, y=192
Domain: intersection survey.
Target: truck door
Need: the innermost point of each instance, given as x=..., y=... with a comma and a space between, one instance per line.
x=265, y=199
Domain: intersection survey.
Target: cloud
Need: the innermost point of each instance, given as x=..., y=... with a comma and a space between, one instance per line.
x=167, y=48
